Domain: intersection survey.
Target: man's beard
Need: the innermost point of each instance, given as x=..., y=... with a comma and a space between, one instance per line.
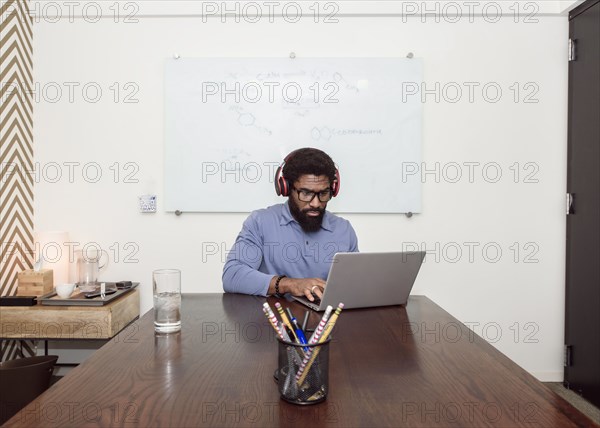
x=308, y=223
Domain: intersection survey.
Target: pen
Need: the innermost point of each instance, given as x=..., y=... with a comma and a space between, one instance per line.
x=305, y=321
x=290, y=334
x=299, y=333
x=306, y=365
x=297, y=330
x=289, y=313
x=315, y=338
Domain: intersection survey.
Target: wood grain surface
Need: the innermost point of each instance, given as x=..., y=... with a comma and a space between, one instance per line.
x=393, y=366
x=69, y=322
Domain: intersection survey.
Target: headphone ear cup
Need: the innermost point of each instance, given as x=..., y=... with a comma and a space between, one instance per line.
x=335, y=188
x=282, y=185
x=277, y=181
x=285, y=187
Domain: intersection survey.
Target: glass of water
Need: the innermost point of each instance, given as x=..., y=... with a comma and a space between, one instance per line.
x=167, y=300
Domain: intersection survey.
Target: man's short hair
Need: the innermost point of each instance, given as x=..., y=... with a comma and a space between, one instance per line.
x=309, y=161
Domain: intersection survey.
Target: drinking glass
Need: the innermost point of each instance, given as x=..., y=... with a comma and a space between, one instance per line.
x=167, y=300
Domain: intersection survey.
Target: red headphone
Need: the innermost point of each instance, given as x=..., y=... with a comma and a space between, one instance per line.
x=283, y=185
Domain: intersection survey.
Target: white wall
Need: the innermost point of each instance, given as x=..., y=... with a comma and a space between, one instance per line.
x=518, y=306
x=565, y=6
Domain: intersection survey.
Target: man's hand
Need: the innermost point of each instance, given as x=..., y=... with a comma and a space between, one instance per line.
x=300, y=287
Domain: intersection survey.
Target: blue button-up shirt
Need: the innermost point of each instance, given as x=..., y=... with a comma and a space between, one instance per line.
x=272, y=243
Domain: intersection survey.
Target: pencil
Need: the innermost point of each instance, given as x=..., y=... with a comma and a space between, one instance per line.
x=272, y=320
x=285, y=319
x=305, y=368
x=319, y=330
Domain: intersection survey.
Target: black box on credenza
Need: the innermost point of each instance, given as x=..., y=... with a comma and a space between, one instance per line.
x=18, y=300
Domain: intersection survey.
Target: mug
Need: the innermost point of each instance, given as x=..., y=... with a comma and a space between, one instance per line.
x=89, y=268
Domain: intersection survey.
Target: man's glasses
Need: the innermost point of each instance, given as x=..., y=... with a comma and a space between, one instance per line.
x=308, y=195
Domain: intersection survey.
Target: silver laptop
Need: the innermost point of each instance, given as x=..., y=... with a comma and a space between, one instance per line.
x=364, y=280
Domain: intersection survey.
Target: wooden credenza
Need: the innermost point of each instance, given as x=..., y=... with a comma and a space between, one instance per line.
x=69, y=322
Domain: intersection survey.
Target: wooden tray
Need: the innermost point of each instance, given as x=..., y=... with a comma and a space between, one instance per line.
x=78, y=299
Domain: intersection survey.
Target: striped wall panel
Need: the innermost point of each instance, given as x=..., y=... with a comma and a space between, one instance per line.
x=16, y=153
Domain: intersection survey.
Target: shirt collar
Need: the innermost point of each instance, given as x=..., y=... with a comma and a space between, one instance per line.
x=287, y=218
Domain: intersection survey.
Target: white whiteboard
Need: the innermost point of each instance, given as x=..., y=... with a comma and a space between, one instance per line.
x=230, y=122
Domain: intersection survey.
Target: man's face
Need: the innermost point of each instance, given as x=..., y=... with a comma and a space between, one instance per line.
x=309, y=213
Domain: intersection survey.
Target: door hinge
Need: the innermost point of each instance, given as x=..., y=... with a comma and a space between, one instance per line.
x=568, y=355
x=570, y=203
x=572, y=53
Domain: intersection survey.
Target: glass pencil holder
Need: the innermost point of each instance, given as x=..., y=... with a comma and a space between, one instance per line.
x=303, y=372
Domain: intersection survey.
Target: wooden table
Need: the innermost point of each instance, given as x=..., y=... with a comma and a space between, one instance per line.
x=69, y=322
x=393, y=366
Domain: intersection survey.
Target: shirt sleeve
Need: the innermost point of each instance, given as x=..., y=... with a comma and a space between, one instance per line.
x=240, y=273
x=353, y=240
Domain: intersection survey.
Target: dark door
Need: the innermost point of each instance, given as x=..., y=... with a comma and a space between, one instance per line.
x=582, y=326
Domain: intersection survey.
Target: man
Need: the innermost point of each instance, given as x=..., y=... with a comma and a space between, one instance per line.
x=288, y=248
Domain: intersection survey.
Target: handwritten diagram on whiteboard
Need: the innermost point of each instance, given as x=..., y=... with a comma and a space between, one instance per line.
x=230, y=122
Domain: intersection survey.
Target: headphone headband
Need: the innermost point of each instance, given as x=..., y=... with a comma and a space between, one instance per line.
x=283, y=185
